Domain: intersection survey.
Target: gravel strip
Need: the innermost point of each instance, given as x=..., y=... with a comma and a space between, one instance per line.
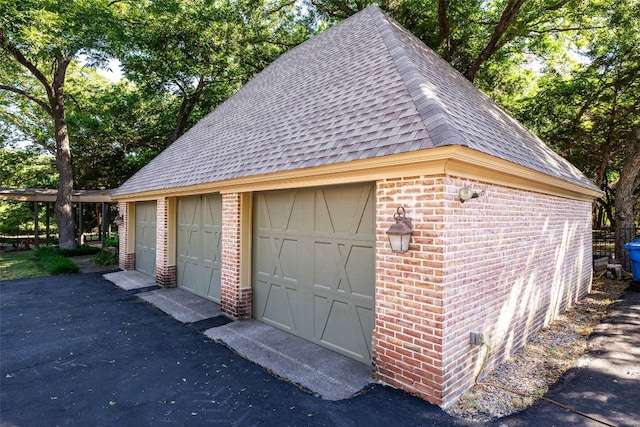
x=518, y=382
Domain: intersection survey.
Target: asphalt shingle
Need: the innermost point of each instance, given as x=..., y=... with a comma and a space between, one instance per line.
x=362, y=89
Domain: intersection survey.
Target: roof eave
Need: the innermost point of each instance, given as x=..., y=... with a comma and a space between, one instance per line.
x=452, y=160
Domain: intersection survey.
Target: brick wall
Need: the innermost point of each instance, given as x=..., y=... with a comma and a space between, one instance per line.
x=235, y=299
x=409, y=323
x=504, y=264
x=126, y=260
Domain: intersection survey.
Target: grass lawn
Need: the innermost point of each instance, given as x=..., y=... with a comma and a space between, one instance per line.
x=20, y=265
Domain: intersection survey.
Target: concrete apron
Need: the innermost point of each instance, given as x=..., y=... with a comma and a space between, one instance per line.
x=328, y=374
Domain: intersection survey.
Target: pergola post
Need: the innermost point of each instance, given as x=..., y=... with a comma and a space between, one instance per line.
x=48, y=222
x=80, y=223
x=103, y=225
x=36, y=226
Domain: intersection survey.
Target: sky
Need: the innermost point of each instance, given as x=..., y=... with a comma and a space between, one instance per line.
x=112, y=71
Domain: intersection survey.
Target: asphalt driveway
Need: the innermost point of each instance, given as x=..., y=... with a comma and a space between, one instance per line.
x=78, y=351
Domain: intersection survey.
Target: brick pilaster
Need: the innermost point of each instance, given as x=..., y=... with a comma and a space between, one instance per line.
x=126, y=260
x=165, y=273
x=407, y=337
x=235, y=299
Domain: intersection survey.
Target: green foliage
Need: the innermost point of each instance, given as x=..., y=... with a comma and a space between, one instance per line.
x=61, y=265
x=112, y=242
x=589, y=110
x=44, y=252
x=54, y=262
x=79, y=251
x=196, y=53
x=23, y=168
x=26, y=168
x=105, y=257
x=567, y=69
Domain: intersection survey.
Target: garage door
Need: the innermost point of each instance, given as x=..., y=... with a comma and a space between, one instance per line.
x=146, y=237
x=314, y=265
x=198, y=244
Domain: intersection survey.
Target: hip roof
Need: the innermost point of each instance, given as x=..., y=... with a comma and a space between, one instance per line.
x=364, y=88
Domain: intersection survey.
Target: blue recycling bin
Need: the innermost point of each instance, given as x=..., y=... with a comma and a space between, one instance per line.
x=634, y=254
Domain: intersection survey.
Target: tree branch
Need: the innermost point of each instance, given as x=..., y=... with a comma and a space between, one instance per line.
x=280, y=7
x=508, y=15
x=341, y=11
x=15, y=52
x=29, y=96
x=562, y=30
x=558, y=5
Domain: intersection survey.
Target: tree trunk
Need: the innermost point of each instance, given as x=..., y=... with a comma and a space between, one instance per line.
x=628, y=183
x=186, y=108
x=445, y=29
x=63, y=205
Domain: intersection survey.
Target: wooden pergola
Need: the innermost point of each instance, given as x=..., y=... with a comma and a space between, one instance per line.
x=48, y=196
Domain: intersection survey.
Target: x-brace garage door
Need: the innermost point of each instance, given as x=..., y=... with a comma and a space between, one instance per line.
x=314, y=265
x=199, y=232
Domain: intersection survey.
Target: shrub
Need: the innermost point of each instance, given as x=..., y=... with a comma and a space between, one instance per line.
x=54, y=262
x=80, y=250
x=105, y=258
x=112, y=242
x=43, y=253
x=61, y=265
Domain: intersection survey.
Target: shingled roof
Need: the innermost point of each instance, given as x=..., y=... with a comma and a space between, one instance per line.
x=362, y=89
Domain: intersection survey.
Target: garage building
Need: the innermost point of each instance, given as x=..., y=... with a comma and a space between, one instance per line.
x=276, y=206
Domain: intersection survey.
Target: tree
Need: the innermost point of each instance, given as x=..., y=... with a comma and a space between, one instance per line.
x=589, y=111
x=197, y=52
x=40, y=39
x=472, y=35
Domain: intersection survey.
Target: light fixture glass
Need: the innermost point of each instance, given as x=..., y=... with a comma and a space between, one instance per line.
x=400, y=233
x=467, y=193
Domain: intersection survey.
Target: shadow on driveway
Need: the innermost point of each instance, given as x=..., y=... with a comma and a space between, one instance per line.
x=77, y=350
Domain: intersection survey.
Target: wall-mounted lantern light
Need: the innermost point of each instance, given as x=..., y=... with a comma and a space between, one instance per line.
x=119, y=220
x=400, y=233
x=467, y=194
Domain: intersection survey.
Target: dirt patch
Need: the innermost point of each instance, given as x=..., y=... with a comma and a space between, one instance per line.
x=518, y=382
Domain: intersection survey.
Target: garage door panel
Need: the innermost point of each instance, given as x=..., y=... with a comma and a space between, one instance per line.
x=314, y=265
x=366, y=318
x=340, y=327
x=285, y=307
x=279, y=256
x=344, y=211
x=212, y=215
x=278, y=211
x=326, y=274
x=349, y=269
x=359, y=268
x=199, y=233
x=210, y=244
x=146, y=237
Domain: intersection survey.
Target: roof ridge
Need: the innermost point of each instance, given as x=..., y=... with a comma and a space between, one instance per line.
x=431, y=112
